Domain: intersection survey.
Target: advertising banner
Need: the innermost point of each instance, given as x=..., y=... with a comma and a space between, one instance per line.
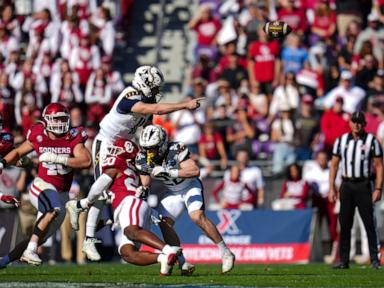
x=259, y=236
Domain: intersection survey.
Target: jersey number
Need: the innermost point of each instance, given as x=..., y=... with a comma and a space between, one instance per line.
x=55, y=169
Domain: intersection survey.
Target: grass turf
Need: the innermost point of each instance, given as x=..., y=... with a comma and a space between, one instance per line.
x=311, y=275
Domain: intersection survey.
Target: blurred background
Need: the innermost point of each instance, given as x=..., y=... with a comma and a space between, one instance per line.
x=264, y=134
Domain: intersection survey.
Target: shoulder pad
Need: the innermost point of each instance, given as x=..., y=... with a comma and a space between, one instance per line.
x=177, y=153
x=35, y=131
x=78, y=133
x=132, y=93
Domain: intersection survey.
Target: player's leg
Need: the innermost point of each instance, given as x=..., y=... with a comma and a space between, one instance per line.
x=194, y=201
x=99, y=150
x=52, y=213
x=170, y=208
x=136, y=231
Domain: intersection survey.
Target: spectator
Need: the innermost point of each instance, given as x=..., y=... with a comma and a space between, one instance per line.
x=203, y=69
x=293, y=56
x=256, y=19
x=211, y=146
x=324, y=23
x=68, y=93
x=352, y=95
x=7, y=43
x=98, y=95
x=207, y=26
x=235, y=193
x=347, y=11
x=84, y=59
x=285, y=96
x=295, y=17
x=346, y=54
x=7, y=101
x=375, y=35
x=330, y=131
x=294, y=192
x=113, y=76
x=8, y=18
x=251, y=175
x=105, y=29
x=234, y=73
x=283, y=131
x=263, y=62
x=316, y=173
x=310, y=81
x=307, y=130
x=240, y=134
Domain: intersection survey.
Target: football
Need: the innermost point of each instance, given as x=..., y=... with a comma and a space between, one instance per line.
x=277, y=29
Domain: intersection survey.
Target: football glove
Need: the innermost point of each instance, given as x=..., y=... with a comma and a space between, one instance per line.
x=165, y=171
x=54, y=158
x=10, y=200
x=142, y=192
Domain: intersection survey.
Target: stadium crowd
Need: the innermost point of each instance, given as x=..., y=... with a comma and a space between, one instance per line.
x=285, y=101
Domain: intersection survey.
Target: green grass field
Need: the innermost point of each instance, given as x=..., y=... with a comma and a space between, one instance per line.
x=312, y=275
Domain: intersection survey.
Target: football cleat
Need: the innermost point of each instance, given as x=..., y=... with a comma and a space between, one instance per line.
x=228, y=261
x=74, y=213
x=166, y=264
x=31, y=258
x=89, y=248
x=187, y=269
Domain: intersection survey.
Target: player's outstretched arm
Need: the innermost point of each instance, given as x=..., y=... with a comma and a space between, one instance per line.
x=12, y=157
x=165, y=108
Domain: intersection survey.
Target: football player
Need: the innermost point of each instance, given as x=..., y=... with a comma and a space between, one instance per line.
x=60, y=149
x=131, y=211
x=169, y=162
x=133, y=108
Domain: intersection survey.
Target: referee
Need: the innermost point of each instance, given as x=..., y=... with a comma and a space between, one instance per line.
x=361, y=158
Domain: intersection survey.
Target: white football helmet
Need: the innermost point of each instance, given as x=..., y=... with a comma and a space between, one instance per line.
x=148, y=79
x=154, y=137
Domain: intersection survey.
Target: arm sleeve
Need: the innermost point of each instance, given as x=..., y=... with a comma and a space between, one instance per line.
x=336, y=148
x=377, y=149
x=102, y=183
x=125, y=105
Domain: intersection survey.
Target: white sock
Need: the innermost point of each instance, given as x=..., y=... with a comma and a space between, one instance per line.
x=167, y=249
x=32, y=246
x=222, y=247
x=92, y=218
x=84, y=203
x=161, y=257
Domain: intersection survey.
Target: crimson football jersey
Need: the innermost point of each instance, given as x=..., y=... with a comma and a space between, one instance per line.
x=58, y=175
x=127, y=181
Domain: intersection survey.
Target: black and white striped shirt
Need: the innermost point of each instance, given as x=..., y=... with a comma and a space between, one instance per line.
x=356, y=155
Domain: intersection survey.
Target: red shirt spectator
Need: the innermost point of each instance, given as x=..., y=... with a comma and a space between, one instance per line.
x=294, y=17
x=263, y=55
x=209, y=144
x=334, y=123
x=205, y=25
x=324, y=23
x=295, y=187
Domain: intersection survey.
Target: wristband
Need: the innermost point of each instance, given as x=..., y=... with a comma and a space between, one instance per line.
x=378, y=189
x=174, y=173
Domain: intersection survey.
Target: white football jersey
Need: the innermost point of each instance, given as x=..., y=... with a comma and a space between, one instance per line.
x=123, y=125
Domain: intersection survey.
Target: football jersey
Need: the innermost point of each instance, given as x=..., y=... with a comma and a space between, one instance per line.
x=174, y=155
x=117, y=124
x=127, y=181
x=58, y=175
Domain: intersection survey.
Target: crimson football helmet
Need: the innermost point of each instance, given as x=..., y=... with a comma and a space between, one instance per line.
x=123, y=148
x=56, y=118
